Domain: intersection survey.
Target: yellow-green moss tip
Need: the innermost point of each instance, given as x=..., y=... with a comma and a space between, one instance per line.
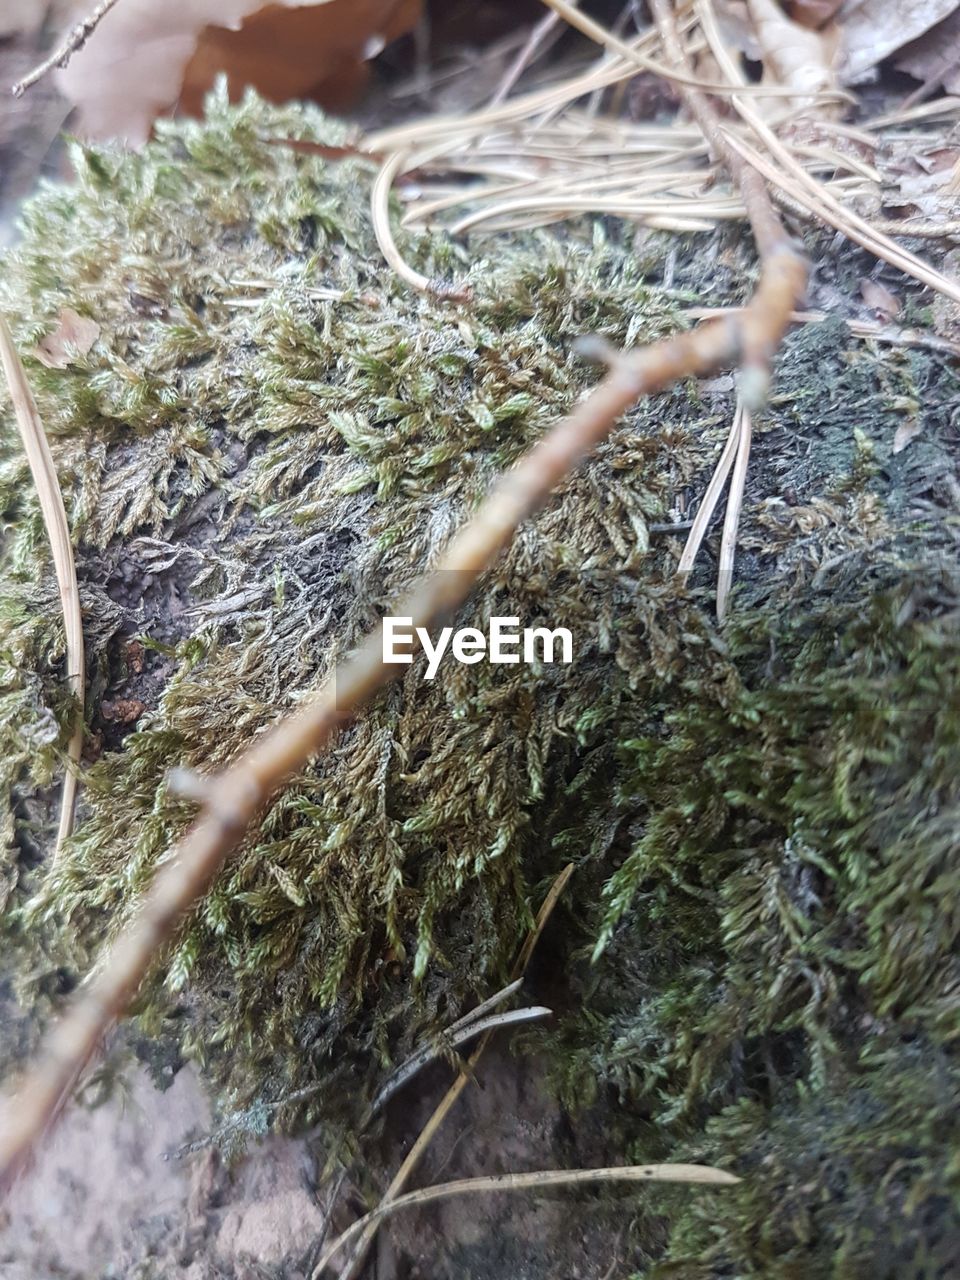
x=270, y=439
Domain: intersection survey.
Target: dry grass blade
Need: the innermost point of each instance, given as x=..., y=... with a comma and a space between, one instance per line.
x=681, y=76
x=535, y=42
x=55, y=520
x=711, y=497
x=703, y=1175
x=522, y=108
x=731, y=519
x=450, y=1042
x=394, y=165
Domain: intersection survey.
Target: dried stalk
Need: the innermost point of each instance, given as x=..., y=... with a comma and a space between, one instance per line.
x=685, y=1173
x=47, y=485
x=680, y=73
x=233, y=799
x=75, y=39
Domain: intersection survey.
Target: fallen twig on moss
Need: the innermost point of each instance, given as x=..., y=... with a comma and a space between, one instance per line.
x=58, y=531
x=234, y=798
x=76, y=38
x=231, y=800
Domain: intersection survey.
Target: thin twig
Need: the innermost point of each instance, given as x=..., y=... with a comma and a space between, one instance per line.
x=234, y=798
x=802, y=186
x=685, y=1173
x=442, y=1110
x=54, y=513
x=867, y=329
x=76, y=38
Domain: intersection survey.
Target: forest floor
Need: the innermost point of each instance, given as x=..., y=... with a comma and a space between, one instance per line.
x=105, y=1199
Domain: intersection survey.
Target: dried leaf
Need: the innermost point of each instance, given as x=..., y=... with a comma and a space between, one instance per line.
x=879, y=298
x=73, y=336
x=146, y=59
x=924, y=182
x=874, y=29
x=797, y=56
x=906, y=432
x=123, y=710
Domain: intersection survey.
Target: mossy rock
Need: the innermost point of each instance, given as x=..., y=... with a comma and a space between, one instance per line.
x=271, y=438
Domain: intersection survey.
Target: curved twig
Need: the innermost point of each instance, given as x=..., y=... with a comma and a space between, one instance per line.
x=233, y=799
x=76, y=38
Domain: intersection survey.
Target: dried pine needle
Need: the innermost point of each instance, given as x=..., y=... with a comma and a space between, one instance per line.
x=55, y=521
x=684, y=1173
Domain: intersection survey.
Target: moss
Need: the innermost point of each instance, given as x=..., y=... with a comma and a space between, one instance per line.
x=269, y=441
x=253, y=472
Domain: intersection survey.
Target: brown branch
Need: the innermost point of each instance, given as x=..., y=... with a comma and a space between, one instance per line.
x=75, y=39
x=233, y=799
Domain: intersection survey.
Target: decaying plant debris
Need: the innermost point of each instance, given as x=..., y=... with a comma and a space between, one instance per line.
x=761, y=817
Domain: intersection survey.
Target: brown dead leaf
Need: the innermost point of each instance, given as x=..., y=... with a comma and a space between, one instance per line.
x=73, y=336
x=908, y=430
x=879, y=299
x=796, y=56
x=147, y=59
x=874, y=29
x=135, y=656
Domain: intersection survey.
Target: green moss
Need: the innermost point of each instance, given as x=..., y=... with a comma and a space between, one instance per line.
x=761, y=818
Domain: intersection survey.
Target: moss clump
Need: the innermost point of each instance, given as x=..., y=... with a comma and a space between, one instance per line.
x=254, y=470
x=270, y=440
